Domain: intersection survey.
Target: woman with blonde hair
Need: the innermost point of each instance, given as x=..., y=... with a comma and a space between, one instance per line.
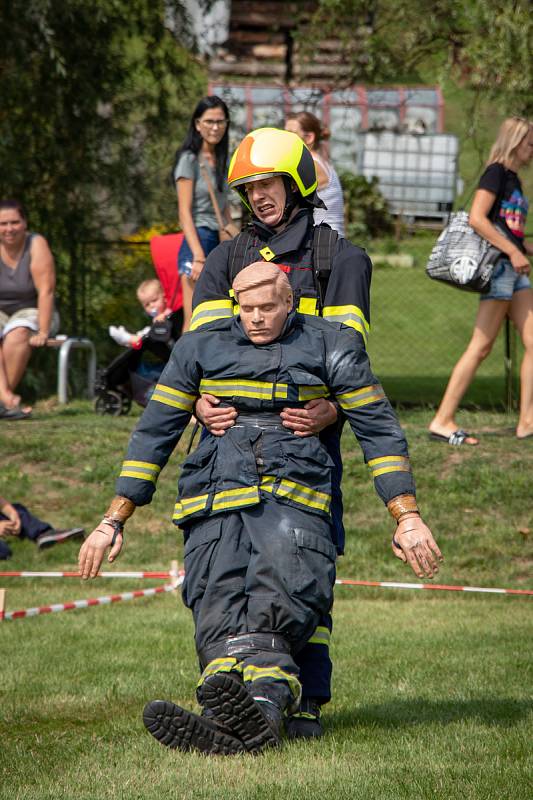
x=314, y=134
x=498, y=213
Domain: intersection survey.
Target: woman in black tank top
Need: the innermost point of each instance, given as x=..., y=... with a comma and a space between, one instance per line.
x=498, y=214
x=27, y=283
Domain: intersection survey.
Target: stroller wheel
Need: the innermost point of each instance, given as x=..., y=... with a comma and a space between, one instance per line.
x=126, y=405
x=111, y=403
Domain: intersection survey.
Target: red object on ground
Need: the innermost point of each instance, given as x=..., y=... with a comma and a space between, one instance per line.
x=164, y=250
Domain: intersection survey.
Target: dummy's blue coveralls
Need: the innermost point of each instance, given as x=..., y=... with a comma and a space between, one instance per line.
x=255, y=503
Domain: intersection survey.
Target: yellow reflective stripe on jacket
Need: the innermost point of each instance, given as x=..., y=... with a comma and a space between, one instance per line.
x=321, y=635
x=189, y=505
x=348, y=315
x=361, y=397
x=210, y=311
x=308, y=305
x=311, y=392
x=251, y=673
x=143, y=470
x=260, y=390
x=235, y=498
x=267, y=483
x=380, y=466
x=299, y=493
x=173, y=397
x=226, y=664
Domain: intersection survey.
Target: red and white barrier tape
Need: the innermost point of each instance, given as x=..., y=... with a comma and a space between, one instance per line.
x=93, y=601
x=25, y=574
x=434, y=586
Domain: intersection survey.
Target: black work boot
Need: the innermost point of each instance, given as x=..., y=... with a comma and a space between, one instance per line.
x=256, y=721
x=305, y=723
x=180, y=729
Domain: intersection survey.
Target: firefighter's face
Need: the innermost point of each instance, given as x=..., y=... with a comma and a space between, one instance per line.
x=263, y=312
x=267, y=198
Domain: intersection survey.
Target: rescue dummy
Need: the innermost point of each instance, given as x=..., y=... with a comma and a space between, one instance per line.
x=254, y=505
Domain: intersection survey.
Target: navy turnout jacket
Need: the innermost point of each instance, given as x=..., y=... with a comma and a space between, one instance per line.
x=312, y=358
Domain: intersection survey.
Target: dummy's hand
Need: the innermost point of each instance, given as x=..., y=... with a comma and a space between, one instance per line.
x=520, y=262
x=311, y=419
x=93, y=550
x=38, y=339
x=414, y=544
x=6, y=528
x=216, y=420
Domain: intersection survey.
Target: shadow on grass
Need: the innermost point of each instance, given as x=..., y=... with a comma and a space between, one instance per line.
x=503, y=711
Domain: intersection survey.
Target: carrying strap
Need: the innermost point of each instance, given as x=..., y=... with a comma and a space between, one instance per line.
x=212, y=195
x=322, y=245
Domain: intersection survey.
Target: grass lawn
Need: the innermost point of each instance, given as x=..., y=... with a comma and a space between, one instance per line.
x=432, y=691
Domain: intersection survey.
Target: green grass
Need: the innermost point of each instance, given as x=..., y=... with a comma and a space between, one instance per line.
x=432, y=691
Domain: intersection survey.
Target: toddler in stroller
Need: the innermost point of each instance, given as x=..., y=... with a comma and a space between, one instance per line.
x=133, y=374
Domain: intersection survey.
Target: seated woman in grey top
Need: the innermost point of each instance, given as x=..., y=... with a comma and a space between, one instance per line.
x=27, y=283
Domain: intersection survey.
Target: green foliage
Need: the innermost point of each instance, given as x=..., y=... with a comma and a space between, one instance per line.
x=95, y=98
x=483, y=45
x=365, y=209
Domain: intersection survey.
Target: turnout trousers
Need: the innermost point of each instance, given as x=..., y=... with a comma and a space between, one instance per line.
x=258, y=581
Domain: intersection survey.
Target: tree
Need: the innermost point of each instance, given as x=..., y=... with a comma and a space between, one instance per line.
x=486, y=46
x=95, y=96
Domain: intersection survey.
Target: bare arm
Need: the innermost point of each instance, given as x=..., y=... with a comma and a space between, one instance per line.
x=12, y=524
x=184, y=188
x=321, y=174
x=481, y=223
x=44, y=278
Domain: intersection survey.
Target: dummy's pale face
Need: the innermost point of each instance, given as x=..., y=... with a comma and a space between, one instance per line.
x=263, y=312
x=152, y=300
x=267, y=198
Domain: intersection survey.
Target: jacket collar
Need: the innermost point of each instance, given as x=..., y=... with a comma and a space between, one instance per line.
x=291, y=238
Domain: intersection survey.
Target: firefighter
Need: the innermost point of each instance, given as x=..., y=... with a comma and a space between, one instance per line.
x=274, y=175
x=254, y=505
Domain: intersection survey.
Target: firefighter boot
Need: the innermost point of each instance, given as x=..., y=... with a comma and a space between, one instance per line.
x=255, y=719
x=305, y=723
x=180, y=729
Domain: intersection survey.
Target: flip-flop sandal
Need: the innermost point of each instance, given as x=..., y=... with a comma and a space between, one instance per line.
x=456, y=439
x=13, y=413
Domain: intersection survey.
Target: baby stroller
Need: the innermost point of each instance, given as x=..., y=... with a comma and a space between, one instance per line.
x=133, y=374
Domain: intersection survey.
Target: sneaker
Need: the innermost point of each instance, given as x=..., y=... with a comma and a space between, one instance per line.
x=255, y=721
x=53, y=536
x=179, y=729
x=305, y=723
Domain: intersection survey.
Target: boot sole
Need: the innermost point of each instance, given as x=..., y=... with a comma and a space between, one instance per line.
x=179, y=729
x=236, y=709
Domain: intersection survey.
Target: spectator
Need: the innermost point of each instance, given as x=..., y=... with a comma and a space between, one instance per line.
x=16, y=520
x=27, y=317
x=310, y=129
x=151, y=296
x=498, y=214
x=203, y=153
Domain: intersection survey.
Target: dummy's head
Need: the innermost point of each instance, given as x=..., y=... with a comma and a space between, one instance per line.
x=150, y=295
x=264, y=295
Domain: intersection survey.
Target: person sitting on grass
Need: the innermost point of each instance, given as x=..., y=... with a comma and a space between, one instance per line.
x=254, y=505
x=17, y=521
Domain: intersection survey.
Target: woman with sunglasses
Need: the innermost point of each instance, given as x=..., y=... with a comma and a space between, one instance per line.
x=203, y=154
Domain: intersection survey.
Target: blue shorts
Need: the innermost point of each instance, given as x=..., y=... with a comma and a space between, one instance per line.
x=505, y=282
x=208, y=239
